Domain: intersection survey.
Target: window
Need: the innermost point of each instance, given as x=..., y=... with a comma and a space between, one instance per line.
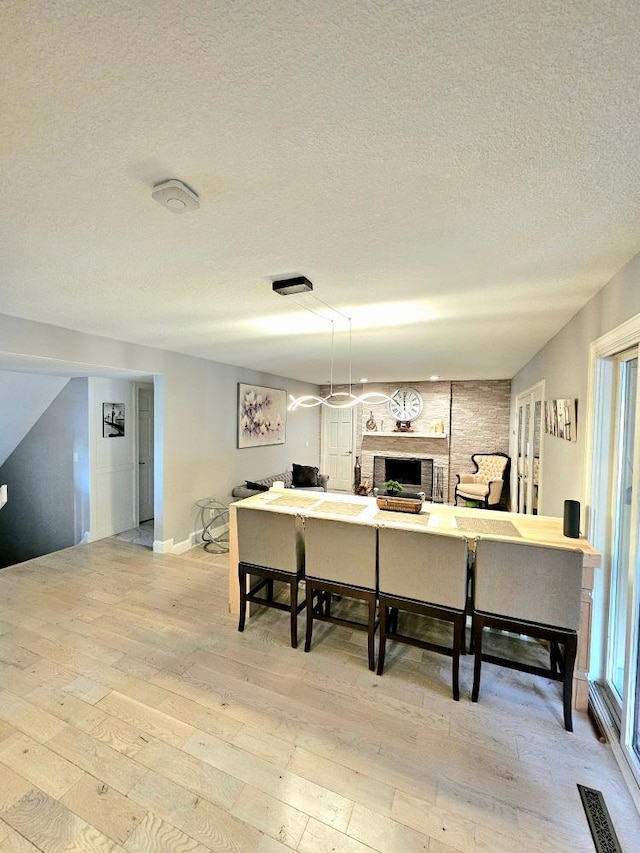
x=624, y=423
x=613, y=446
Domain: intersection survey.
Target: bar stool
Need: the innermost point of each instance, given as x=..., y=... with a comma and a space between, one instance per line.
x=424, y=573
x=340, y=561
x=271, y=548
x=534, y=591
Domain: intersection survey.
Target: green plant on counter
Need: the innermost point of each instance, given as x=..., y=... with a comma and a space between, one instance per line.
x=393, y=487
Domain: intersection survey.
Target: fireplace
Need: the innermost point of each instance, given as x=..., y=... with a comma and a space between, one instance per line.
x=405, y=471
x=413, y=474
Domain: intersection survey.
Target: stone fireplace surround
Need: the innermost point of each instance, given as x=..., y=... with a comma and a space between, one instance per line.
x=475, y=414
x=422, y=483
x=403, y=446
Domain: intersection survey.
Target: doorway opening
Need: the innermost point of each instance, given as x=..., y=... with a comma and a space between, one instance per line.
x=144, y=533
x=528, y=470
x=145, y=451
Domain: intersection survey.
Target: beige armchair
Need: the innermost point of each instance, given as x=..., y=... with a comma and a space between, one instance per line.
x=486, y=484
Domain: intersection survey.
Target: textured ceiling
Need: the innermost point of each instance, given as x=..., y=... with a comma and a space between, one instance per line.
x=457, y=177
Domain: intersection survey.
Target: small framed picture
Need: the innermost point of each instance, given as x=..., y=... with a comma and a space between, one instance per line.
x=561, y=418
x=112, y=420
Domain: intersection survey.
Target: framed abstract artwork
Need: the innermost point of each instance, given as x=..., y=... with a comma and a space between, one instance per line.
x=262, y=415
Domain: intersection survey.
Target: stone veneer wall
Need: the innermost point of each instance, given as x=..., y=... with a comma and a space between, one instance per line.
x=436, y=396
x=476, y=420
x=479, y=422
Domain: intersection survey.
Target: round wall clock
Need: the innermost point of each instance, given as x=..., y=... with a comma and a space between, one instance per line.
x=406, y=404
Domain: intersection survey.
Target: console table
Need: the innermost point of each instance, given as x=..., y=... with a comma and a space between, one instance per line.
x=543, y=530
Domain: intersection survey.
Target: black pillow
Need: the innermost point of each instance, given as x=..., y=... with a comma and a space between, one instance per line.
x=257, y=487
x=304, y=476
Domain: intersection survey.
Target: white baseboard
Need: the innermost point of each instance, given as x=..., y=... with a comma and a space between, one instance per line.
x=163, y=546
x=168, y=546
x=184, y=546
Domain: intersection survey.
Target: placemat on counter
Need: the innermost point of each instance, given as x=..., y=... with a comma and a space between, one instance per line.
x=294, y=501
x=490, y=526
x=420, y=519
x=341, y=508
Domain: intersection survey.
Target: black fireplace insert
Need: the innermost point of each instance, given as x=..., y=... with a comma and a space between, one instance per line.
x=412, y=473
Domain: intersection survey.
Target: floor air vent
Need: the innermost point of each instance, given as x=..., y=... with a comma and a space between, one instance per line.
x=604, y=836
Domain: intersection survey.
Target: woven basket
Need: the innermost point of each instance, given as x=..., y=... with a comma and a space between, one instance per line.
x=397, y=504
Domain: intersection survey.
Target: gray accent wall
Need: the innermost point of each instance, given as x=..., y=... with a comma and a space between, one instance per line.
x=23, y=398
x=40, y=515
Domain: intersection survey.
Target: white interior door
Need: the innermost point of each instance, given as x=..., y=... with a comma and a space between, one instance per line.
x=337, y=448
x=528, y=449
x=145, y=453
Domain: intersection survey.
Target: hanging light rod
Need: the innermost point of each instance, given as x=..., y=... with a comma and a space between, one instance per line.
x=335, y=399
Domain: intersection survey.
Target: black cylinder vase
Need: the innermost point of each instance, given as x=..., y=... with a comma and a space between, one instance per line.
x=572, y=519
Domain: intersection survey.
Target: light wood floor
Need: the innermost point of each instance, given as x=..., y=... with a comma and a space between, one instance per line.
x=134, y=716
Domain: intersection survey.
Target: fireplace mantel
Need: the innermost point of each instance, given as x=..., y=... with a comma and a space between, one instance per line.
x=398, y=434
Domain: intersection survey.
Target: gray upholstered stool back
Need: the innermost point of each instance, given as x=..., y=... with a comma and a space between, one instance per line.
x=530, y=582
x=340, y=551
x=271, y=539
x=423, y=566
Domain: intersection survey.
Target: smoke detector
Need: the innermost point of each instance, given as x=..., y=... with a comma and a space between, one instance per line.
x=175, y=196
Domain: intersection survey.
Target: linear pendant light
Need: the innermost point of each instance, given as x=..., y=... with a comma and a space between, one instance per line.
x=335, y=399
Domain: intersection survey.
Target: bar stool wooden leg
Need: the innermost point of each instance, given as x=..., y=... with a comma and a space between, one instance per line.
x=477, y=662
x=383, y=638
x=458, y=646
x=293, y=599
x=371, y=633
x=394, y=615
x=242, y=580
x=309, y=632
x=567, y=689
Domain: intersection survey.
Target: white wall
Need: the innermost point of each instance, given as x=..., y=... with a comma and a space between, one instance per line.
x=196, y=402
x=564, y=363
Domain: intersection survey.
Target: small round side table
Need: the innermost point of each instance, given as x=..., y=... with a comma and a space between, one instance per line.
x=214, y=513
